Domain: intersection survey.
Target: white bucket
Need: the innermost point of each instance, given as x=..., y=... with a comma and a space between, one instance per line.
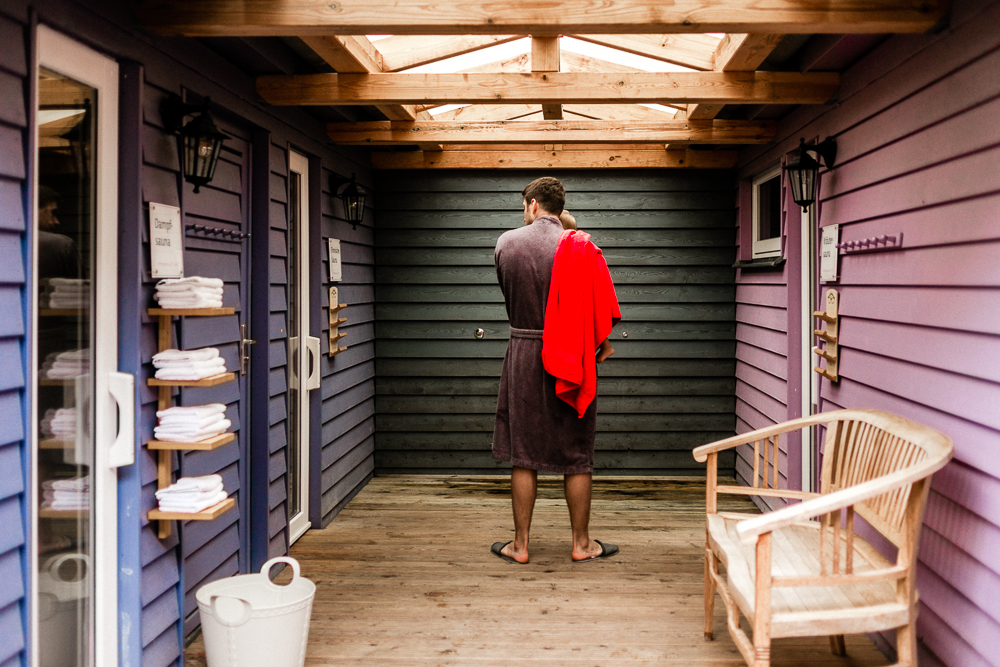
x=249, y=621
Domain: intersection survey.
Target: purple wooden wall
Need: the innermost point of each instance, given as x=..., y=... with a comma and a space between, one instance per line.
x=919, y=149
x=347, y=461
x=14, y=455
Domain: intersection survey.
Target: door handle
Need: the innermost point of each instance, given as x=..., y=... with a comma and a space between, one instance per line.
x=121, y=386
x=245, y=343
x=314, y=380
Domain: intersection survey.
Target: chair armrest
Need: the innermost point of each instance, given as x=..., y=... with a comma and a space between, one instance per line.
x=701, y=453
x=749, y=529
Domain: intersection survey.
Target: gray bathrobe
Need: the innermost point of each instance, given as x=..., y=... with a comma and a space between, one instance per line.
x=535, y=429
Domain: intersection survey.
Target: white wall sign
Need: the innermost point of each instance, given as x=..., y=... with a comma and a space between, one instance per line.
x=829, y=253
x=166, y=242
x=336, y=268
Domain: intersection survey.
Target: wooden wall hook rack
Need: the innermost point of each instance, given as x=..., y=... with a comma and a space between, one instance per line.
x=829, y=336
x=335, y=323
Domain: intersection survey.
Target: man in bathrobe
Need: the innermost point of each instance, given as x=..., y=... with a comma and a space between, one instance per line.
x=535, y=430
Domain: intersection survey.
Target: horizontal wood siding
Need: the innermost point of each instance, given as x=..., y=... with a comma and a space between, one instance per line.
x=669, y=387
x=14, y=454
x=348, y=392
x=918, y=150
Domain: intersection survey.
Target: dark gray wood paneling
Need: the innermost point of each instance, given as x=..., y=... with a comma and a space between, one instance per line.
x=668, y=238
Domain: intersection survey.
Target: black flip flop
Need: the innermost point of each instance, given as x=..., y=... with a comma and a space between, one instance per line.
x=607, y=551
x=497, y=550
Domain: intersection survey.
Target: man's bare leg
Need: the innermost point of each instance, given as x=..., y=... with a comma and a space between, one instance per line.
x=577, y=488
x=523, y=488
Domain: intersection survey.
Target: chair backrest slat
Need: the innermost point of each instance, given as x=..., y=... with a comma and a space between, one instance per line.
x=862, y=445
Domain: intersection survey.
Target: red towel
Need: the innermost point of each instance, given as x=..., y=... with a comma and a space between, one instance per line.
x=581, y=309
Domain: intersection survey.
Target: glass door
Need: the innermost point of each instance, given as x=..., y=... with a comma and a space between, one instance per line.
x=75, y=357
x=303, y=349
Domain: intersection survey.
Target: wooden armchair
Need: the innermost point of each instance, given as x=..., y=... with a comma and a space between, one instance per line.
x=792, y=576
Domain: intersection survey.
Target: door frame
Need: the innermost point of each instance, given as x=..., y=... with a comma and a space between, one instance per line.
x=59, y=52
x=299, y=163
x=809, y=289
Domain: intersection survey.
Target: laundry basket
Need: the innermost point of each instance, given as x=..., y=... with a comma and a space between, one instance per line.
x=249, y=621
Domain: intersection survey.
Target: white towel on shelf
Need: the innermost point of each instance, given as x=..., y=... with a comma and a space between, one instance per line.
x=54, y=495
x=198, y=411
x=185, y=421
x=187, y=283
x=192, y=506
x=198, y=302
x=179, y=433
x=187, y=355
x=198, y=484
x=189, y=496
x=189, y=374
x=184, y=365
x=70, y=484
x=67, y=505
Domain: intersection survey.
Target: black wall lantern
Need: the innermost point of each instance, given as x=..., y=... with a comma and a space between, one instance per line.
x=803, y=170
x=353, y=197
x=201, y=138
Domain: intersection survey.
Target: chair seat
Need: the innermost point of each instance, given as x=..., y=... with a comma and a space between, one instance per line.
x=806, y=610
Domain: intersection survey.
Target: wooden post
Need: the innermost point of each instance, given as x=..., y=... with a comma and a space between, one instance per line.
x=762, y=604
x=545, y=58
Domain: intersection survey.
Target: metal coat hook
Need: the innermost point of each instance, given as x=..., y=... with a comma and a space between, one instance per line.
x=872, y=244
x=218, y=231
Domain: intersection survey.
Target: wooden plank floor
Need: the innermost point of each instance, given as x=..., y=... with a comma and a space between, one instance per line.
x=405, y=577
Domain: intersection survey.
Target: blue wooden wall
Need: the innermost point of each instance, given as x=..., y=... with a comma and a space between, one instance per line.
x=14, y=455
x=158, y=578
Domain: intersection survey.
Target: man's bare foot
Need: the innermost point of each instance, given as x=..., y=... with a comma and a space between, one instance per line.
x=520, y=556
x=603, y=550
x=592, y=549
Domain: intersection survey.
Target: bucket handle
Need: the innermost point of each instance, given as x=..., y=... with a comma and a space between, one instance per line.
x=231, y=623
x=266, y=570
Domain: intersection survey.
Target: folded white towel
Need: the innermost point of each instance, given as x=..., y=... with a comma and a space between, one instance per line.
x=177, y=304
x=176, y=364
x=67, y=282
x=193, y=506
x=200, y=483
x=188, y=292
x=184, y=496
x=187, y=355
x=182, y=422
x=71, y=484
x=67, y=505
x=74, y=496
x=198, y=411
x=177, y=431
x=190, y=281
x=189, y=374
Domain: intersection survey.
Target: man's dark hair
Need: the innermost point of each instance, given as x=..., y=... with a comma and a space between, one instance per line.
x=548, y=192
x=46, y=196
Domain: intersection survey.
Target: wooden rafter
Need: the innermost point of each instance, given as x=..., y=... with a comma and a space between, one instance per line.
x=694, y=51
x=486, y=112
x=545, y=58
x=551, y=131
x=541, y=88
x=401, y=52
x=248, y=18
x=617, y=112
x=358, y=54
x=736, y=53
x=609, y=157
x=520, y=63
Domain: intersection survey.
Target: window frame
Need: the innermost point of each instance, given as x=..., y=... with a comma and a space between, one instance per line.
x=761, y=249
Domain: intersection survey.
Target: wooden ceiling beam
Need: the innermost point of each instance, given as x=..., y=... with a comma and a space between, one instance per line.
x=694, y=51
x=558, y=87
x=490, y=112
x=555, y=159
x=248, y=18
x=374, y=133
x=401, y=52
x=736, y=53
x=357, y=54
x=617, y=112
x=545, y=58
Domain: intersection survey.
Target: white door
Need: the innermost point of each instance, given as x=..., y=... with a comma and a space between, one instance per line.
x=303, y=349
x=77, y=443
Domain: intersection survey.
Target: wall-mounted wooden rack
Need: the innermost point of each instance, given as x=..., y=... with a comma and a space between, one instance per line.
x=164, y=471
x=335, y=322
x=829, y=335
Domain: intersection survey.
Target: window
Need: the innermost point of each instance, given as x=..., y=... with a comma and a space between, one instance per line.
x=767, y=213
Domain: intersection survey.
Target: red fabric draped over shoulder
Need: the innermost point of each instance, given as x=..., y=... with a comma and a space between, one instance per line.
x=581, y=310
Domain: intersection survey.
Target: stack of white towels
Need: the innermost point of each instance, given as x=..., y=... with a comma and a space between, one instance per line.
x=70, y=293
x=193, y=292
x=66, y=494
x=59, y=424
x=192, y=494
x=63, y=365
x=191, y=423
x=188, y=364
